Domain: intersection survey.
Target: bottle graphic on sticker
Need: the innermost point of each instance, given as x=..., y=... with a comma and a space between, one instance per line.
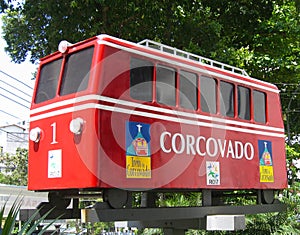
x=139, y=143
x=266, y=159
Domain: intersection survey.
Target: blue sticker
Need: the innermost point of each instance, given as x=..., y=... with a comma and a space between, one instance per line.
x=137, y=139
x=265, y=153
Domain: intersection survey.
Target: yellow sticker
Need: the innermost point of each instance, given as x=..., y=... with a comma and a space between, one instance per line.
x=138, y=167
x=266, y=174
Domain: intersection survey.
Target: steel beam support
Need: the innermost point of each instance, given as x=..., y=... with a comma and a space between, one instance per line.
x=45, y=207
x=171, y=224
x=173, y=220
x=174, y=213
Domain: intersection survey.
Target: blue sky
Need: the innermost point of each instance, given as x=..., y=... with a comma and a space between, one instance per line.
x=15, y=102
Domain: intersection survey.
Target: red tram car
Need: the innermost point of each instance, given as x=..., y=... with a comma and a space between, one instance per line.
x=111, y=114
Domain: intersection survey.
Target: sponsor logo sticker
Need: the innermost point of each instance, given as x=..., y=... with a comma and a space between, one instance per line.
x=138, y=154
x=212, y=173
x=265, y=161
x=55, y=163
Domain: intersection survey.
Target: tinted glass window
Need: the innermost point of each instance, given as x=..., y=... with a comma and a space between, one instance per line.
x=166, y=85
x=188, y=90
x=208, y=94
x=76, y=71
x=141, y=75
x=259, y=102
x=48, y=81
x=226, y=99
x=244, y=103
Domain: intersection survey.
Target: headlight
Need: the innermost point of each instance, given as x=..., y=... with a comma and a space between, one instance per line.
x=35, y=134
x=76, y=126
x=63, y=46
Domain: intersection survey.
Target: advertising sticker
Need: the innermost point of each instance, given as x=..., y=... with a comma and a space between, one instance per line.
x=138, y=155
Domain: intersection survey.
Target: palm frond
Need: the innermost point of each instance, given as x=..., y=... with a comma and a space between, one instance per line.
x=28, y=227
x=10, y=220
x=29, y=230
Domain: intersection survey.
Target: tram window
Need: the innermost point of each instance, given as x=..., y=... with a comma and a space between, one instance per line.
x=226, y=99
x=76, y=71
x=165, y=85
x=244, y=103
x=208, y=94
x=259, y=102
x=48, y=81
x=141, y=75
x=188, y=90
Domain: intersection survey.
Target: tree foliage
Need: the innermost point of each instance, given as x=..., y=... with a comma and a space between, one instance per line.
x=15, y=167
x=293, y=163
x=260, y=36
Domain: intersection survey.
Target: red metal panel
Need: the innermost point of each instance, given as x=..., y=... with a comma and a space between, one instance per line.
x=77, y=154
x=237, y=155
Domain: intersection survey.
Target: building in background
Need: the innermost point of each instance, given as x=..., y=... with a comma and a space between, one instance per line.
x=13, y=136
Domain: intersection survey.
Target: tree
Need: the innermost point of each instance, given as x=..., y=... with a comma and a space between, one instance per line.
x=38, y=26
x=276, y=56
x=16, y=167
x=293, y=164
x=209, y=25
x=260, y=36
x=204, y=26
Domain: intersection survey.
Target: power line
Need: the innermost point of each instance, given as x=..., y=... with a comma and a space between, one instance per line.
x=19, y=97
x=14, y=101
x=1, y=71
x=15, y=138
x=18, y=137
x=15, y=95
x=9, y=114
x=16, y=88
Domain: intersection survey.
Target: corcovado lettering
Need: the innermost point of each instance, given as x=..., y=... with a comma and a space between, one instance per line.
x=203, y=146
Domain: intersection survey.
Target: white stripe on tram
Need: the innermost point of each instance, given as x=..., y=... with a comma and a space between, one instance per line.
x=149, y=115
x=147, y=107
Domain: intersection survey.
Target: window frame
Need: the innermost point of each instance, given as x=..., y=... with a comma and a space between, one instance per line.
x=239, y=103
x=244, y=111
x=173, y=89
x=233, y=100
x=209, y=106
x=255, y=91
x=40, y=79
x=151, y=92
x=187, y=79
x=63, y=74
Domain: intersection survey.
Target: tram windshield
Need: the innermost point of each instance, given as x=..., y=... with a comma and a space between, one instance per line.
x=76, y=67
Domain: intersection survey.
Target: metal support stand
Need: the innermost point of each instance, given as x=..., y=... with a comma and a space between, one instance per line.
x=102, y=212
x=44, y=207
x=173, y=220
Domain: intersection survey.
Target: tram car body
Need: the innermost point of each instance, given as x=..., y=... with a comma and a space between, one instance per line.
x=108, y=113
